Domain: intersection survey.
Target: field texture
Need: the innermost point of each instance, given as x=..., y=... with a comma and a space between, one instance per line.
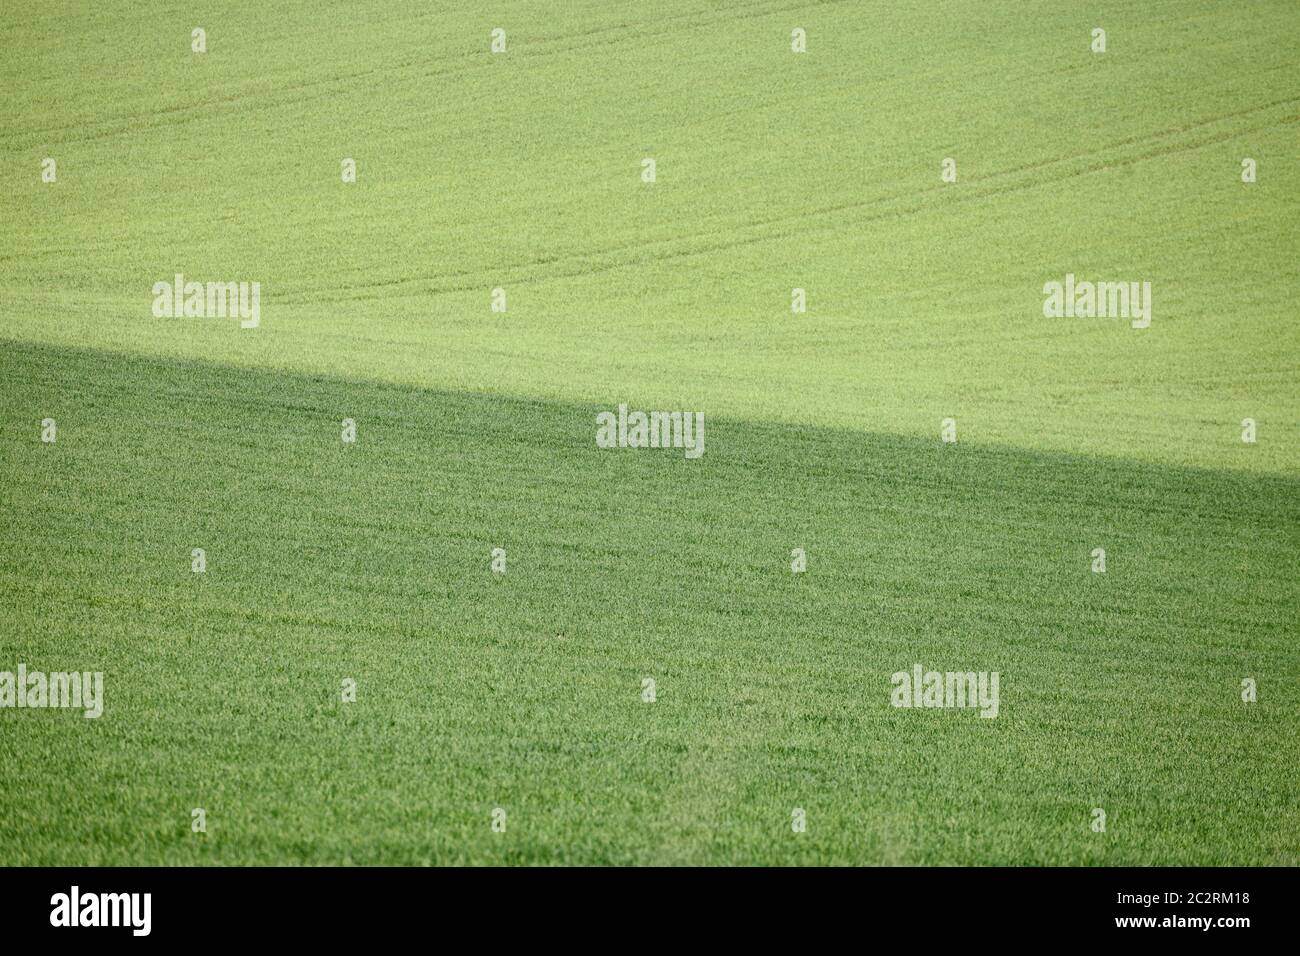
x=503, y=717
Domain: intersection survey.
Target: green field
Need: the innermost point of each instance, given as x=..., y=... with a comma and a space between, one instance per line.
x=522, y=691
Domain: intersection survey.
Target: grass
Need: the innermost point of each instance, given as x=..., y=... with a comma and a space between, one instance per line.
x=523, y=691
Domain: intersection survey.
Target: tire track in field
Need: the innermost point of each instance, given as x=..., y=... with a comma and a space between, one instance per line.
x=799, y=225
x=660, y=27
x=181, y=114
x=787, y=227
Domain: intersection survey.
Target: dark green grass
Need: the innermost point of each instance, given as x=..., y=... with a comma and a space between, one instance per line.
x=1119, y=691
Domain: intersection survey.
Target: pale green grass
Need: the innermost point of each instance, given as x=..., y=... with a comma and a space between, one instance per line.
x=775, y=171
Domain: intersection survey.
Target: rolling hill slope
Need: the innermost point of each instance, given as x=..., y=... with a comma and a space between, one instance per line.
x=522, y=170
